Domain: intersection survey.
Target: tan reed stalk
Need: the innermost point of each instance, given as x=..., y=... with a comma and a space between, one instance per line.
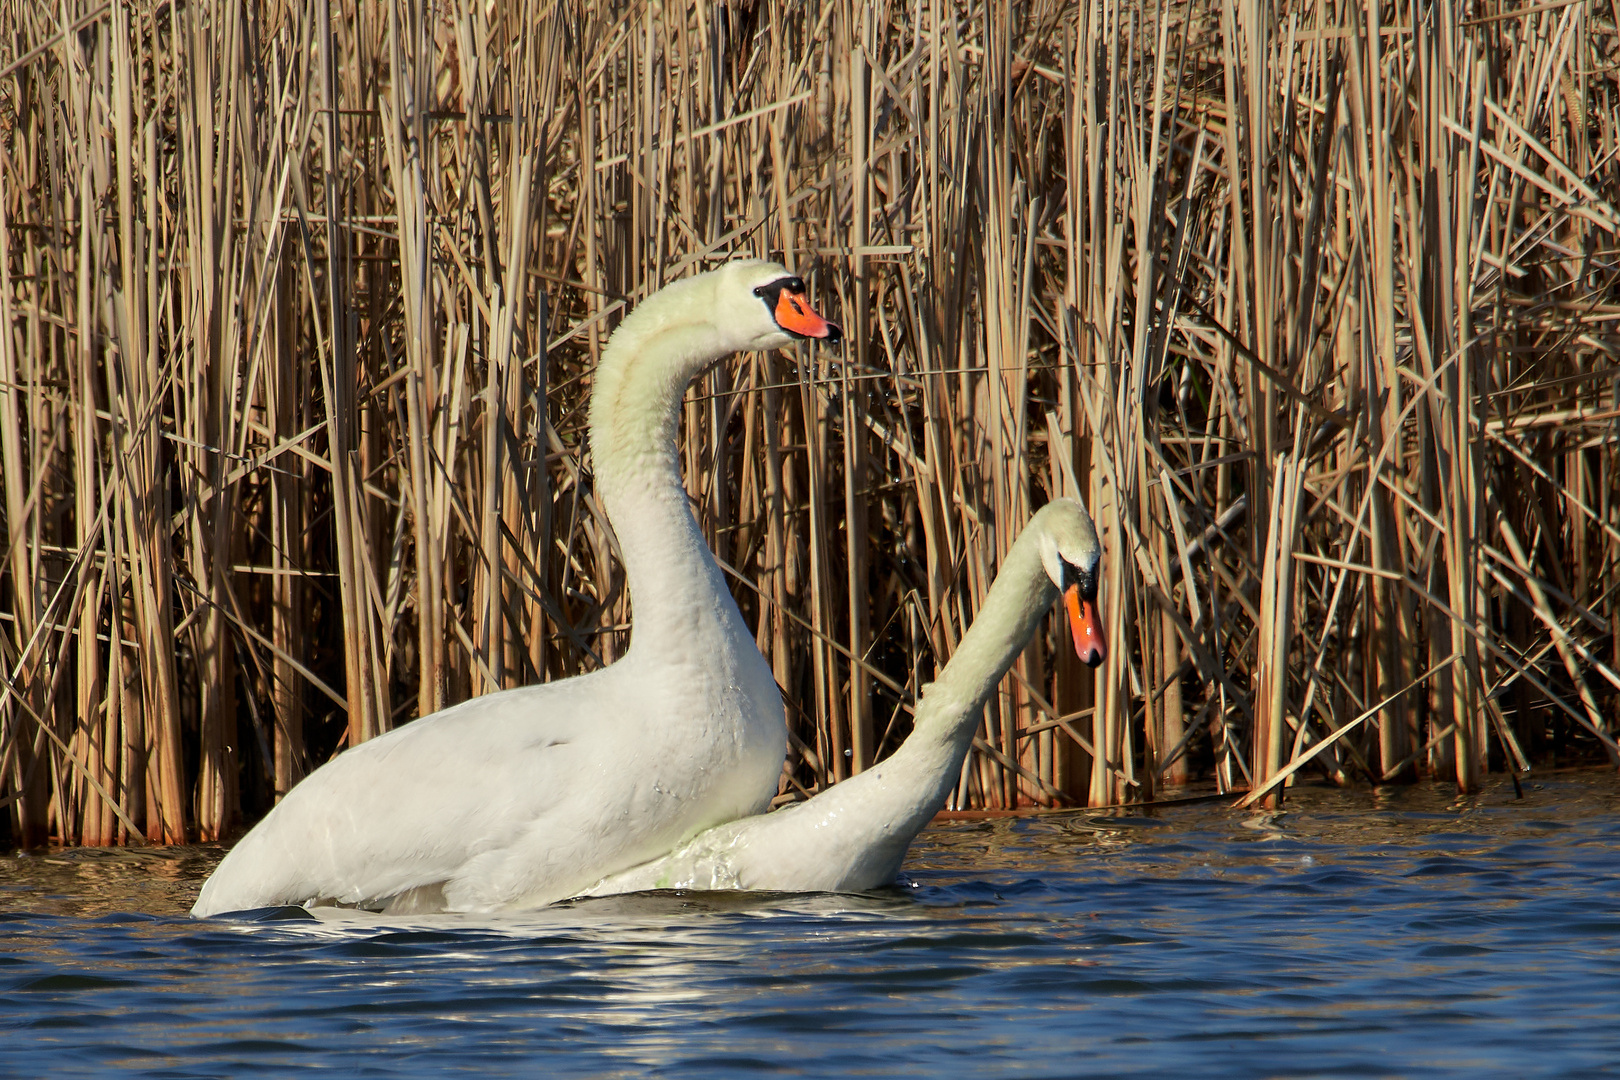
x=294, y=362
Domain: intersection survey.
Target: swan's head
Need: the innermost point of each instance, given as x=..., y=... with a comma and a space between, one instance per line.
x=681, y=330
x=763, y=305
x=1072, y=556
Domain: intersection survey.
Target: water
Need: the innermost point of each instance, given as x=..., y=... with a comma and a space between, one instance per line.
x=1406, y=933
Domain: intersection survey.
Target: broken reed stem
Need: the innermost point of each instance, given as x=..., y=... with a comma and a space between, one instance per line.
x=1315, y=306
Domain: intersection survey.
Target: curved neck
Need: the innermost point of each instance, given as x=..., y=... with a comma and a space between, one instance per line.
x=906, y=789
x=948, y=712
x=635, y=403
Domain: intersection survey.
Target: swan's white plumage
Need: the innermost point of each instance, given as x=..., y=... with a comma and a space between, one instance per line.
x=854, y=835
x=527, y=796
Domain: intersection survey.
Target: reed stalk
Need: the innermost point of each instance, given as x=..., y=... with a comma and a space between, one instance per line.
x=1316, y=304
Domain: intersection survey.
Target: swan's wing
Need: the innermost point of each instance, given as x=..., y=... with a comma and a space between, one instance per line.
x=413, y=808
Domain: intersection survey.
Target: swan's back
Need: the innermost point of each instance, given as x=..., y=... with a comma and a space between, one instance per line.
x=511, y=800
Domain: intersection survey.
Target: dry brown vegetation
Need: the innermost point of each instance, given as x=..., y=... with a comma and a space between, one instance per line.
x=1315, y=304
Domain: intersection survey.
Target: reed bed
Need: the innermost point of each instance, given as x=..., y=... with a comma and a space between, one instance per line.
x=1316, y=305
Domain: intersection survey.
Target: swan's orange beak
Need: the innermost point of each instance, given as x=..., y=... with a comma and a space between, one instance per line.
x=795, y=315
x=1085, y=627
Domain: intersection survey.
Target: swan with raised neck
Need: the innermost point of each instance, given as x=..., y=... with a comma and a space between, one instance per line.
x=854, y=835
x=519, y=798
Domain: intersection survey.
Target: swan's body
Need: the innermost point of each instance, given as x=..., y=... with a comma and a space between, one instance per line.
x=527, y=796
x=854, y=835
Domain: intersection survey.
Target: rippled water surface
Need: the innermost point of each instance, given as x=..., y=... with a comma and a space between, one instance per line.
x=1402, y=934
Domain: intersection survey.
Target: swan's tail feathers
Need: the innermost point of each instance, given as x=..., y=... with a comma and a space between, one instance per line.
x=1086, y=628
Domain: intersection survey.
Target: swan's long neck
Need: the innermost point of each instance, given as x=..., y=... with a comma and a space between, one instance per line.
x=911, y=785
x=948, y=713
x=634, y=414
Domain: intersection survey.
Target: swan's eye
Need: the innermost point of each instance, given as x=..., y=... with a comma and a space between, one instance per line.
x=769, y=290
x=1084, y=577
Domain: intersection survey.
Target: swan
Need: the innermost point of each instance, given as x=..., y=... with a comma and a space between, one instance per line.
x=522, y=797
x=853, y=835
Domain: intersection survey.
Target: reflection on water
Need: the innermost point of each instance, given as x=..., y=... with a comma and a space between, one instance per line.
x=1402, y=933
x=85, y=882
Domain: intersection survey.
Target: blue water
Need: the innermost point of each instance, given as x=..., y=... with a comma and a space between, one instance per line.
x=1403, y=933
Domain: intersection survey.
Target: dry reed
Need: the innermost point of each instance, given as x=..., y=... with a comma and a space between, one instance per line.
x=1316, y=305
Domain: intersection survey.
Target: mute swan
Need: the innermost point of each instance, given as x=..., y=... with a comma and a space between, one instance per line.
x=853, y=835
x=526, y=796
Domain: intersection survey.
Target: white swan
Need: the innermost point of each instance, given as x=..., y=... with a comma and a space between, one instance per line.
x=854, y=835
x=519, y=798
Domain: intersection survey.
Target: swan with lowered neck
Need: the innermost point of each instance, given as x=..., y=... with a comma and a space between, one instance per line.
x=527, y=796
x=853, y=835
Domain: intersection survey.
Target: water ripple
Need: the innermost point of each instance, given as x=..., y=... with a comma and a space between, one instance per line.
x=1420, y=935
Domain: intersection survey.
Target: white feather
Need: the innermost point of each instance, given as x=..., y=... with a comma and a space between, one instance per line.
x=520, y=798
x=854, y=835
